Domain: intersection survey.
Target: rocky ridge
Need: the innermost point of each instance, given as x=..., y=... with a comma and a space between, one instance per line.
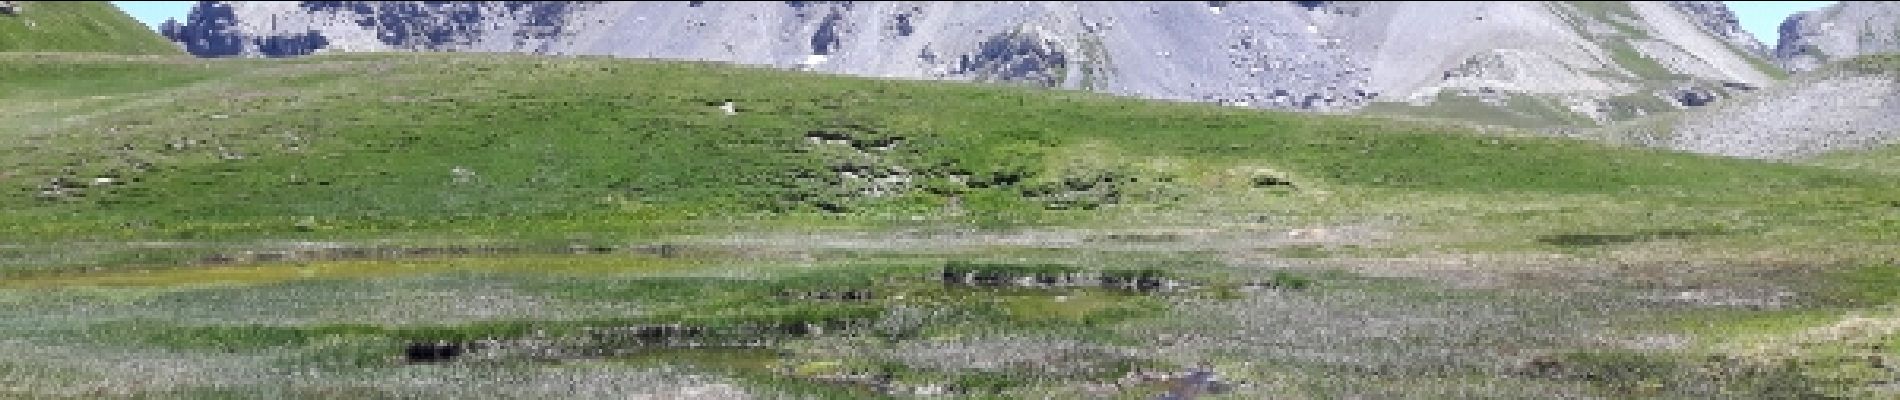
x=1846, y=29
x=1307, y=55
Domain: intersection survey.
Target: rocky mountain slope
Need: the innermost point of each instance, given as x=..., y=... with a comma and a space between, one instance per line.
x=1590, y=61
x=75, y=26
x=1847, y=105
x=1844, y=30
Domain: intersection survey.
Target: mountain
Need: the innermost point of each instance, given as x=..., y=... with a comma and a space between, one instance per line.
x=1843, y=30
x=1843, y=97
x=75, y=26
x=1589, y=61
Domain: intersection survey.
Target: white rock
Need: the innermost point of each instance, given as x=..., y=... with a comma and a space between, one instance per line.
x=462, y=174
x=815, y=59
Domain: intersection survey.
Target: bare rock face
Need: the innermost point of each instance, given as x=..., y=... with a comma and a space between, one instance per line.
x=1303, y=55
x=1715, y=18
x=281, y=29
x=1843, y=30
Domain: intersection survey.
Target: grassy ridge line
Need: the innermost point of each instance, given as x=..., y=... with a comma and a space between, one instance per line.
x=78, y=26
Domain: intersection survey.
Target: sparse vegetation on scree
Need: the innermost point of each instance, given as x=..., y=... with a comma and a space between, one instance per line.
x=457, y=225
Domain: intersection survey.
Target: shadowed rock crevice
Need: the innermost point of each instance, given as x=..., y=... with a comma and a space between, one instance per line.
x=825, y=40
x=1015, y=57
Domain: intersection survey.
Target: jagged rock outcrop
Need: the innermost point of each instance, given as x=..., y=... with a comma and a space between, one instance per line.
x=1309, y=55
x=1843, y=30
x=1715, y=18
x=278, y=29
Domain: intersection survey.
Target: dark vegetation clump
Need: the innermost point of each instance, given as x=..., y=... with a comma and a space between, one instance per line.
x=432, y=352
x=1271, y=182
x=966, y=274
x=1605, y=239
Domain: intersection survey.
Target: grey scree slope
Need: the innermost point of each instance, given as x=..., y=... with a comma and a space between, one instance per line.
x=1322, y=56
x=1826, y=110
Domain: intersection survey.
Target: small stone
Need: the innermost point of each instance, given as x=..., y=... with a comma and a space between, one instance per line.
x=462, y=174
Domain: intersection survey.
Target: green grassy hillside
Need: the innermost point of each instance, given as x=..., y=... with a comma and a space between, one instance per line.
x=197, y=147
x=79, y=26
x=283, y=227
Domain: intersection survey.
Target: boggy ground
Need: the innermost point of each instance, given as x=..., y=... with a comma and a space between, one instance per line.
x=1297, y=313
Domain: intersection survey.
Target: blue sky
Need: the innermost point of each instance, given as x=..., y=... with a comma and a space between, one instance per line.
x=153, y=13
x=1761, y=18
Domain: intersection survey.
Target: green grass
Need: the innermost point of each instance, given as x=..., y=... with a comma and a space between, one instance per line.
x=1868, y=285
x=1881, y=160
x=1763, y=63
x=1634, y=105
x=366, y=269
x=1626, y=55
x=78, y=26
x=1519, y=111
x=1880, y=64
x=1605, y=10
